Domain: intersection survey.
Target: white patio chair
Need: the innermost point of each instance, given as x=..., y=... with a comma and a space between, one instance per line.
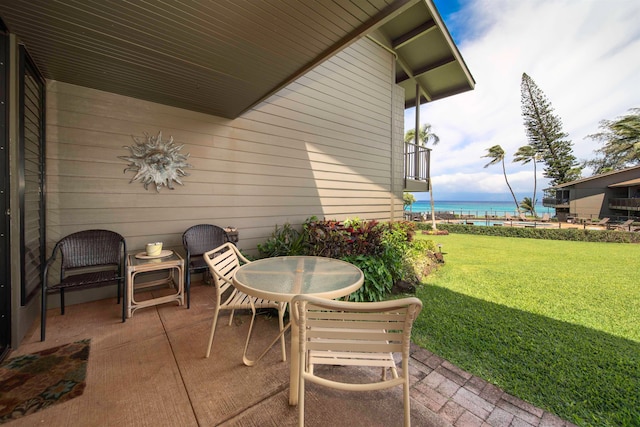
x=223, y=261
x=354, y=334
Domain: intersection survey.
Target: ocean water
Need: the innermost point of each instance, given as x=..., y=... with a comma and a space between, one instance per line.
x=477, y=208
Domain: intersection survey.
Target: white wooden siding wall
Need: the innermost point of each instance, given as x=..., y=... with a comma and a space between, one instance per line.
x=398, y=152
x=320, y=147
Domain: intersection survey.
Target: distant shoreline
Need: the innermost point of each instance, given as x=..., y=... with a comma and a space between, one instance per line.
x=469, y=207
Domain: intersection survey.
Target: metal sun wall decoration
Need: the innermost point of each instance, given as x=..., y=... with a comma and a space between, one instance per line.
x=156, y=162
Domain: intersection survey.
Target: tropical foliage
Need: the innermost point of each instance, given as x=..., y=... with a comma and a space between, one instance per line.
x=496, y=154
x=621, y=139
x=527, y=206
x=425, y=136
x=285, y=240
x=408, y=199
x=524, y=155
x=384, y=251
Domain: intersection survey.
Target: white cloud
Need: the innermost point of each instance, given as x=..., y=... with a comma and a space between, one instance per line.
x=584, y=55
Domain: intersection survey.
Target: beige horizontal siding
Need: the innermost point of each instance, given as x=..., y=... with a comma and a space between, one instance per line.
x=320, y=147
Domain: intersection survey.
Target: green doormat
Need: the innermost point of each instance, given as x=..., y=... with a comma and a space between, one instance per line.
x=36, y=381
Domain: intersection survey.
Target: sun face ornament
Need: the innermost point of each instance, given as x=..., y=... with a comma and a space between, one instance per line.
x=156, y=162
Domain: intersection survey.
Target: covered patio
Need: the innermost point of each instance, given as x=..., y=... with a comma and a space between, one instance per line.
x=151, y=371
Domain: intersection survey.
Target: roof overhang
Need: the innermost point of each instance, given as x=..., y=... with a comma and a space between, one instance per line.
x=223, y=58
x=629, y=183
x=427, y=59
x=590, y=178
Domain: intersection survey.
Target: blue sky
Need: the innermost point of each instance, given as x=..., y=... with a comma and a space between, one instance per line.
x=583, y=54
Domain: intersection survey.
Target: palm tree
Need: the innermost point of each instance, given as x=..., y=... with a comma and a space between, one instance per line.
x=496, y=153
x=621, y=139
x=408, y=199
x=425, y=135
x=524, y=155
x=528, y=206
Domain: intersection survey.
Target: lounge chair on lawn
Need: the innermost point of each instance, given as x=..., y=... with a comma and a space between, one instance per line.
x=625, y=226
x=603, y=222
x=545, y=218
x=523, y=217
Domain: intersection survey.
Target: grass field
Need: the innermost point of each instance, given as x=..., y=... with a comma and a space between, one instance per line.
x=555, y=323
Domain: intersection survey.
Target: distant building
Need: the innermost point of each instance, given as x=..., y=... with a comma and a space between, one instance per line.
x=612, y=194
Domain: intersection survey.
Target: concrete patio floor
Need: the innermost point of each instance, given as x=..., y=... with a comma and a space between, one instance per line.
x=151, y=371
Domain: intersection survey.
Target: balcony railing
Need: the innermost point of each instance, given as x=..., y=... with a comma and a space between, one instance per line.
x=625, y=204
x=553, y=202
x=416, y=162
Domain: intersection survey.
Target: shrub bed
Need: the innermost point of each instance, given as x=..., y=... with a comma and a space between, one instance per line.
x=384, y=251
x=571, y=234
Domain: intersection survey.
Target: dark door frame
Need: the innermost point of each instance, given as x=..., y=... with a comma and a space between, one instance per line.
x=31, y=175
x=5, y=249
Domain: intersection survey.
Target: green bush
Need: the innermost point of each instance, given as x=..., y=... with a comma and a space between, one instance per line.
x=397, y=240
x=570, y=234
x=284, y=241
x=385, y=252
x=335, y=239
x=377, y=278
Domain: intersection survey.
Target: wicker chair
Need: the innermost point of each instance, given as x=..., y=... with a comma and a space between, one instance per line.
x=89, y=259
x=197, y=240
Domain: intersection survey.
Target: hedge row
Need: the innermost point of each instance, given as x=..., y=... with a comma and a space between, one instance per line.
x=573, y=234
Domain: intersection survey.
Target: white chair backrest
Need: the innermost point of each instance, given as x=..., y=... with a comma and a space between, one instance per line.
x=355, y=327
x=223, y=261
x=345, y=333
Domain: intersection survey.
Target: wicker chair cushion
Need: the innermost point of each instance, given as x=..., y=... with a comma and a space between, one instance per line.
x=198, y=264
x=85, y=280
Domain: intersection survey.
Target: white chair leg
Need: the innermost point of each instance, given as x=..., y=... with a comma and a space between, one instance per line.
x=213, y=330
x=250, y=362
x=280, y=336
x=245, y=359
x=281, y=310
x=231, y=317
x=301, y=393
x=407, y=408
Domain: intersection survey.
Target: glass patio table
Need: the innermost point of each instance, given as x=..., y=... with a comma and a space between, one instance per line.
x=282, y=278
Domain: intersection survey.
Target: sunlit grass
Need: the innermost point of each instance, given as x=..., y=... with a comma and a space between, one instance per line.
x=555, y=323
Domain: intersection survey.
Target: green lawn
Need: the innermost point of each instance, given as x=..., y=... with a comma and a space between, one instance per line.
x=555, y=323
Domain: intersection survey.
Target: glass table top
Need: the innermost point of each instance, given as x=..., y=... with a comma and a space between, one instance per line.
x=281, y=278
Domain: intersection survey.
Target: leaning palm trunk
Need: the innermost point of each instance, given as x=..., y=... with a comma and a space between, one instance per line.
x=496, y=153
x=535, y=189
x=433, y=213
x=504, y=171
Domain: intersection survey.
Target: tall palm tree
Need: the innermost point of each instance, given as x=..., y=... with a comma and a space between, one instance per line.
x=408, y=200
x=496, y=154
x=527, y=205
x=524, y=155
x=425, y=135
